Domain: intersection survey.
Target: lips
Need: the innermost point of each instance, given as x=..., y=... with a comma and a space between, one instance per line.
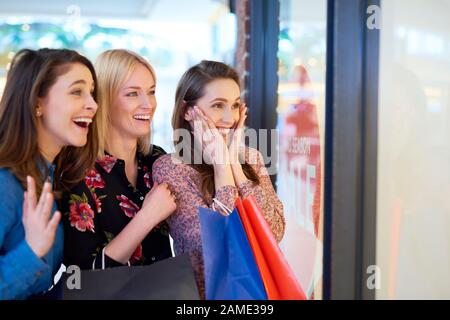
x=82, y=122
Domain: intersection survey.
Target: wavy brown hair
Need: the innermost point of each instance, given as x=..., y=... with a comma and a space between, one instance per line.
x=31, y=75
x=190, y=89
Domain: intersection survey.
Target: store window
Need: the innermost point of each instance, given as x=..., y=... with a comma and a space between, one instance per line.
x=301, y=115
x=413, y=205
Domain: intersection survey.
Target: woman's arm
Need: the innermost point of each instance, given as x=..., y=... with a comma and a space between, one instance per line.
x=158, y=205
x=85, y=241
x=22, y=266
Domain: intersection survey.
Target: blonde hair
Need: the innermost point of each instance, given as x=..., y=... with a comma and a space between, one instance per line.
x=113, y=68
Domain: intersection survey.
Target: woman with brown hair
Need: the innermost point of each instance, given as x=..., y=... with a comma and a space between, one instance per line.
x=209, y=113
x=45, y=112
x=113, y=217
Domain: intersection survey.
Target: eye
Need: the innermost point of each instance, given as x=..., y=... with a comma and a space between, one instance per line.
x=217, y=105
x=132, y=94
x=151, y=93
x=236, y=106
x=76, y=92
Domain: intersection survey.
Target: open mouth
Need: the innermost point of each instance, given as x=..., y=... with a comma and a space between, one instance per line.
x=224, y=131
x=142, y=117
x=82, y=122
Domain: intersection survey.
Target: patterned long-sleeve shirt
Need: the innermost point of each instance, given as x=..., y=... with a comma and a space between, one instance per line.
x=184, y=223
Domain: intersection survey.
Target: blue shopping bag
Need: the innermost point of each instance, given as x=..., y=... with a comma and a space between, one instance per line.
x=231, y=272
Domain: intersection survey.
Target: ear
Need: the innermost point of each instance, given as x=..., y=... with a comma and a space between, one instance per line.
x=40, y=101
x=187, y=115
x=38, y=109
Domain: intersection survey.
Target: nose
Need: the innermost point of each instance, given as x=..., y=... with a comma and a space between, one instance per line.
x=146, y=102
x=91, y=104
x=228, y=115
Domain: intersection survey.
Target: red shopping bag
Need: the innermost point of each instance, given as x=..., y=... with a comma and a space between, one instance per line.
x=278, y=278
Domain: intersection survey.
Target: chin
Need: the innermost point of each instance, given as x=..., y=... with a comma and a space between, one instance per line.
x=142, y=134
x=78, y=143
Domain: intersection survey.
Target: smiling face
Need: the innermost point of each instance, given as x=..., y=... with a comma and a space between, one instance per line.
x=66, y=111
x=134, y=104
x=221, y=103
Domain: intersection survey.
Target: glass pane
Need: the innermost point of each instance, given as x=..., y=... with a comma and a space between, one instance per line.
x=301, y=91
x=413, y=207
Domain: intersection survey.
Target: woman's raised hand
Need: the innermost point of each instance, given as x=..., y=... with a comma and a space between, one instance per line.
x=40, y=227
x=213, y=145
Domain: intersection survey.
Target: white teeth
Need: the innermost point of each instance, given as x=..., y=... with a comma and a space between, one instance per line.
x=80, y=119
x=142, y=117
x=224, y=130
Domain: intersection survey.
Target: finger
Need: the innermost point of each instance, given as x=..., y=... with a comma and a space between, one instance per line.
x=53, y=223
x=242, y=118
x=241, y=108
x=47, y=207
x=208, y=122
x=205, y=133
x=201, y=117
x=42, y=198
x=199, y=127
x=31, y=193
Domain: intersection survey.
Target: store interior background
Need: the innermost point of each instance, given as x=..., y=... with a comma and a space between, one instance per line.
x=413, y=192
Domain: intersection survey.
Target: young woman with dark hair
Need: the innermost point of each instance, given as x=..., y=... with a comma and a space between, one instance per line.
x=46, y=109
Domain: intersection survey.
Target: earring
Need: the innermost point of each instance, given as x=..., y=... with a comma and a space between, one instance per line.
x=38, y=113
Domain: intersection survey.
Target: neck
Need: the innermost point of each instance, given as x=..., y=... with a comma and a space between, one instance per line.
x=122, y=147
x=48, y=147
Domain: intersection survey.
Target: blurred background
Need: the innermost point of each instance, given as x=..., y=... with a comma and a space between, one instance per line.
x=362, y=117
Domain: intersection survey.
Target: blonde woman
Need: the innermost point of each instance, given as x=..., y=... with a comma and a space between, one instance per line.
x=114, y=217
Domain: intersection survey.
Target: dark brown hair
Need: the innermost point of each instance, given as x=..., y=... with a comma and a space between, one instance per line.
x=32, y=73
x=190, y=89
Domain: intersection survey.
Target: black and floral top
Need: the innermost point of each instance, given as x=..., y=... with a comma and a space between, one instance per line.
x=100, y=207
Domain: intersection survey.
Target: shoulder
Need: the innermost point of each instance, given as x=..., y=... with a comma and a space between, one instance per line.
x=169, y=163
x=170, y=168
x=157, y=151
x=11, y=194
x=9, y=185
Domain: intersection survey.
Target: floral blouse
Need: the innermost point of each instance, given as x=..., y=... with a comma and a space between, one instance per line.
x=100, y=207
x=184, y=223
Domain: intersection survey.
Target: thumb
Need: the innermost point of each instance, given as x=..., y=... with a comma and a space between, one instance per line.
x=155, y=185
